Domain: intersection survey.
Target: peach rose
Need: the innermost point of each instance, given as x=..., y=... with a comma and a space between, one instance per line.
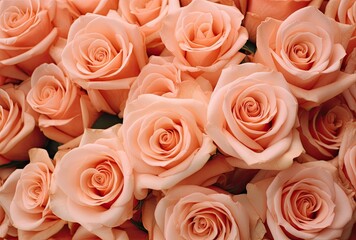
x=101, y=62
x=252, y=117
x=161, y=77
x=321, y=128
x=193, y=212
x=27, y=32
x=93, y=184
x=165, y=140
x=307, y=48
x=149, y=17
x=18, y=130
x=204, y=37
x=343, y=11
x=304, y=201
x=26, y=198
x=65, y=111
x=259, y=10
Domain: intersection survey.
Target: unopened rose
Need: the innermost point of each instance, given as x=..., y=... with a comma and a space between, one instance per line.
x=322, y=128
x=65, y=111
x=193, y=212
x=307, y=48
x=165, y=140
x=27, y=32
x=304, y=201
x=252, y=117
x=93, y=184
x=104, y=54
x=18, y=130
x=149, y=17
x=204, y=37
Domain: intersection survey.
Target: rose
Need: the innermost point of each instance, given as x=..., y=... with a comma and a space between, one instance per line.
x=343, y=12
x=204, y=37
x=102, y=63
x=25, y=196
x=192, y=212
x=93, y=183
x=27, y=32
x=321, y=128
x=149, y=17
x=64, y=109
x=258, y=10
x=307, y=48
x=252, y=117
x=18, y=130
x=161, y=77
x=304, y=201
x=165, y=140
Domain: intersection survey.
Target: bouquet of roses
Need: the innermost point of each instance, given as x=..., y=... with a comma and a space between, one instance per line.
x=168, y=119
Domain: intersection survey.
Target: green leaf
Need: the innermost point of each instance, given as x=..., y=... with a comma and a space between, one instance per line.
x=106, y=120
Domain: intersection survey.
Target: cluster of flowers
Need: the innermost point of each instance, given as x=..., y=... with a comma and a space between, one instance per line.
x=168, y=119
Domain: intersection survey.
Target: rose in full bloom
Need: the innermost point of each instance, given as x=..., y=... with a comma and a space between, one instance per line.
x=93, y=184
x=193, y=212
x=27, y=32
x=307, y=48
x=304, y=201
x=258, y=10
x=65, y=111
x=18, y=130
x=26, y=197
x=322, y=128
x=252, y=117
x=103, y=55
x=161, y=77
x=204, y=37
x=148, y=15
x=165, y=140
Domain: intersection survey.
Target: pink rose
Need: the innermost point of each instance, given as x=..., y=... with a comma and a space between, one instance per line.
x=165, y=140
x=307, y=48
x=192, y=212
x=65, y=111
x=321, y=128
x=343, y=11
x=204, y=37
x=252, y=117
x=161, y=77
x=28, y=204
x=259, y=10
x=18, y=130
x=27, y=32
x=93, y=184
x=149, y=17
x=304, y=201
x=102, y=63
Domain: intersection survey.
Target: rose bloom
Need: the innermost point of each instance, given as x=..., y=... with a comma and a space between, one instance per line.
x=321, y=128
x=252, y=117
x=65, y=111
x=304, y=201
x=148, y=15
x=26, y=199
x=102, y=63
x=165, y=140
x=343, y=11
x=204, y=37
x=307, y=48
x=193, y=212
x=18, y=130
x=161, y=77
x=27, y=32
x=93, y=184
x=259, y=10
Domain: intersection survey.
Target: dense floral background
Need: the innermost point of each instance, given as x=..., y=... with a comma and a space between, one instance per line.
x=168, y=119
